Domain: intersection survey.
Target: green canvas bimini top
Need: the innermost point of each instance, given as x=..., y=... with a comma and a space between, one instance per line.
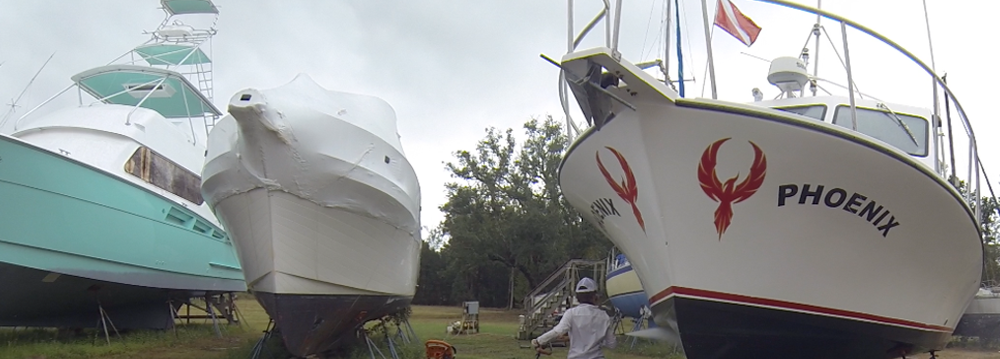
x=175, y=97
x=176, y=7
x=170, y=54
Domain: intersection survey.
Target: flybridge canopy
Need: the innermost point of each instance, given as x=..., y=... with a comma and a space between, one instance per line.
x=181, y=7
x=172, y=55
x=161, y=90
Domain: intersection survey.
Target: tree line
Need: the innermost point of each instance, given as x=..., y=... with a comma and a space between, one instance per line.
x=508, y=226
x=507, y=223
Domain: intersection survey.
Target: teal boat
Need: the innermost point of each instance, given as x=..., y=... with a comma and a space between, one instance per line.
x=101, y=203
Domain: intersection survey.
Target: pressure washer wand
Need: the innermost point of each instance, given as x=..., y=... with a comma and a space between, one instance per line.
x=539, y=351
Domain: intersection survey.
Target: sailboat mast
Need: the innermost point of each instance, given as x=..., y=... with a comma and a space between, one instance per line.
x=708, y=46
x=666, y=47
x=680, y=55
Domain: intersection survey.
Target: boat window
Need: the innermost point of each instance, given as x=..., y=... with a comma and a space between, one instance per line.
x=885, y=127
x=164, y=173
x=814, y=111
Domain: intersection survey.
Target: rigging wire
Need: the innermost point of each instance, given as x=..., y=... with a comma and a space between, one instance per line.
x=649, y=21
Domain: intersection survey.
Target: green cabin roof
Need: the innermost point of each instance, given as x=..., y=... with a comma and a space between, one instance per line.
x=176, y=97
x=180, y=7
x=170, y=54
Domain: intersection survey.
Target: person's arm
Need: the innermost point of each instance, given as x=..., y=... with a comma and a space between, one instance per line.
x=610, y=341
x=560, y=329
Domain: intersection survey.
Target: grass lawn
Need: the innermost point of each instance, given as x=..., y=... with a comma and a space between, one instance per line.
x=197, y=340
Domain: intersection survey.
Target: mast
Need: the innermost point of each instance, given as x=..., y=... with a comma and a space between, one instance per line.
x=666, y=47
x=708, y=46
x=680, y=56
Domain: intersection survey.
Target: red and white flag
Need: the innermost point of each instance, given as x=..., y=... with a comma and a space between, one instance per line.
x=729, y=18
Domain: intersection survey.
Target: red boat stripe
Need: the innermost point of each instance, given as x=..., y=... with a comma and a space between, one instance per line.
x=691, y=292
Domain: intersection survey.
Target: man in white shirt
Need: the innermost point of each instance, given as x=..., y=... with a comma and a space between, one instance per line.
x=589, y=327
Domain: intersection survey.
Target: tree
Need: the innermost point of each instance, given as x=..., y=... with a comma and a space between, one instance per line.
x=433, y=285
x=989, y=222
x=506, y=218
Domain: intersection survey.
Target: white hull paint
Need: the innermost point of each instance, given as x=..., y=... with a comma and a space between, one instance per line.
x=314, y=188
x=820, y=255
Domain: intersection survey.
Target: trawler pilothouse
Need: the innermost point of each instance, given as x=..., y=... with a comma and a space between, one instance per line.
x=804, y=226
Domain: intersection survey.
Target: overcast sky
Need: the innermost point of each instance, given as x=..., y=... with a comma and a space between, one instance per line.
x=451, y=69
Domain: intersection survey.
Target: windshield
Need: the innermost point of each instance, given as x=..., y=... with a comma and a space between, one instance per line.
x=884, y=126
x=814, y=111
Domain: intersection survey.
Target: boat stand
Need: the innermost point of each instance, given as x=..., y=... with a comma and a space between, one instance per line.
x=641, y=323
x=403, y=335
x=262, y=342
x=221, y=303
x=103, y=322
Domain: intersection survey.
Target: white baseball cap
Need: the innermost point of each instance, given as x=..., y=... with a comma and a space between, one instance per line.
x=586, y=285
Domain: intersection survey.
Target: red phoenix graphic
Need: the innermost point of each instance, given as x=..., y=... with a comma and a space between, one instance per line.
x=727, y=193
x=627, y=189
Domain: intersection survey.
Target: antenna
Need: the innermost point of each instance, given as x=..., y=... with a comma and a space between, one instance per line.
x=13, y=105
x=755, y=56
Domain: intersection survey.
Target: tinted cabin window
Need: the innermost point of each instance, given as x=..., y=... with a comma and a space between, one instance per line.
x=884, y=126
x=161, y=172
x=815, y=111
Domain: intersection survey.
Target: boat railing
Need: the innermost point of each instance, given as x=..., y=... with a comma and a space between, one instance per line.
x=188, y=64
x=955, y=156
x=616, y=260
x=945, y=163
x=572, y=41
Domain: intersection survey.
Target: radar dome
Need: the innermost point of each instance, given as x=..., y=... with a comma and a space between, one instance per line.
x=788, y=74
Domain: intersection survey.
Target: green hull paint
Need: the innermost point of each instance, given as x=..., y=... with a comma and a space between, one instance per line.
x=63, y=216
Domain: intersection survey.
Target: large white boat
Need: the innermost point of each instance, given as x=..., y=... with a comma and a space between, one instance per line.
x=101, y=207
x=801, y=227
x=324, y=207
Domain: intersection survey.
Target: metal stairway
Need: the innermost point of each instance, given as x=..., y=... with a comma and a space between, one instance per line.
x=545, y=304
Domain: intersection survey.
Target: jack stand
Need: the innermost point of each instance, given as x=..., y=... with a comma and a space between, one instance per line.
x=408, y=332
x=173, y=317
x=104, y=320
x=639, y=323
x=262, y=342
x=403, y=333
x=372, y=348
x=236, y=311
x=392, y=344
x=215, y=321
x=617, y=322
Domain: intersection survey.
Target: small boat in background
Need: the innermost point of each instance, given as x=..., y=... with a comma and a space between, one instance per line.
x=623, y=287
x=102, y=211
x=982, y=318
x=324, y=208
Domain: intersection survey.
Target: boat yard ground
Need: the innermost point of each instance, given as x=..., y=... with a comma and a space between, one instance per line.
x=495, y=340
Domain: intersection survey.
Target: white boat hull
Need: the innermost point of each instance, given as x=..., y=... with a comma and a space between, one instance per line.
x=883, y=260
x=323, y=206
x=292, y=245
